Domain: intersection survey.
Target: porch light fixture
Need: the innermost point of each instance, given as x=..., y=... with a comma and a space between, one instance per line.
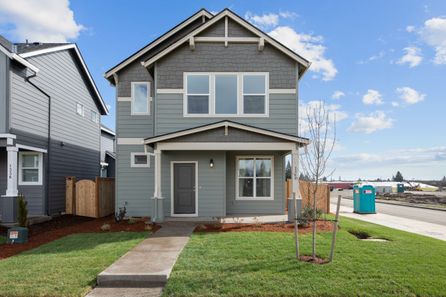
x=211, y=163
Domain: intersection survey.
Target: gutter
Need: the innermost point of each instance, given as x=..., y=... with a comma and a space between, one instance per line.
x=48, y=171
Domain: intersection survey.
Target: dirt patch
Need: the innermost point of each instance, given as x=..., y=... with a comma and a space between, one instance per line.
x=422, y=198
x=315, y=260
x=322, y=226
x=365, y=236
x=68, y=224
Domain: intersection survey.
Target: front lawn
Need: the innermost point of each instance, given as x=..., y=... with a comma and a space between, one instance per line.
x=64, y=267
x=262, y=264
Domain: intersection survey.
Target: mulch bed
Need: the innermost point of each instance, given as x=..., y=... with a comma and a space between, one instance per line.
x=322, y=226
x=68, y=224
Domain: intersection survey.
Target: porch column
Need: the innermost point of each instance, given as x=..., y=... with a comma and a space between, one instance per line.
x=9, y=200
x=158, y=212
x=295, y=185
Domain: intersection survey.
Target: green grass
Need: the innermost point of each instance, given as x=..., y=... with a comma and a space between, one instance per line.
x=263, y=264
x=64, y=267
x=2, y=239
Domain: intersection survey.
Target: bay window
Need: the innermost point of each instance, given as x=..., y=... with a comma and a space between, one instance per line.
x=226, y=94
x=254, y=178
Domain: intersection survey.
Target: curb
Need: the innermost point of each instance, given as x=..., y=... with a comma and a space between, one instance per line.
x=403, y=204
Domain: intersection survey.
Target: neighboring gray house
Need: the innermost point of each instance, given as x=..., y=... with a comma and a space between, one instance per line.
x=49, y=124
x=205, y=116
x=108, y=152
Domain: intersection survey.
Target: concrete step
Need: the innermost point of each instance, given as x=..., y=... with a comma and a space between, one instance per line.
x=126, y=292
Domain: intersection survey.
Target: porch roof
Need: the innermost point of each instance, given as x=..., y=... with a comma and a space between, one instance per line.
x=301, y=141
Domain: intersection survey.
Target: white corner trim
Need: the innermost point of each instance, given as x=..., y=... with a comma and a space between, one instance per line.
x=172, y=211
x=84, y=66
x=130, y=141
x=282, y=91
x=125, y=99
x=170, y=91
x=201, y=13
x=31, y=148
x=8, y=135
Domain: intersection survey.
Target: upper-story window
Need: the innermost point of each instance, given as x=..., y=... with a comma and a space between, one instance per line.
x=79, y=109
x=141, y=98
x=226, y=94
x=94, y=116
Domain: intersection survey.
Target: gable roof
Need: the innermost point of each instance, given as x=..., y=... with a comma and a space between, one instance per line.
x=227, y=123
x=228, y=13
x=199, y=14
x=35, y=49
x=7, y=48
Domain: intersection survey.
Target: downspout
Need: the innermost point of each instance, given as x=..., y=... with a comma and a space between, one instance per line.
x=48, y=171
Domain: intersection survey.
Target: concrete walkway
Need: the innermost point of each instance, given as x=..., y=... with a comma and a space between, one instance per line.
x=144, y=270
x=404, y=224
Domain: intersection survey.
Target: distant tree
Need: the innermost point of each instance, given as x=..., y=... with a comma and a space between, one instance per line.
x=443, y=181
x=288, y=170
x=324, y=179
x=398, y=177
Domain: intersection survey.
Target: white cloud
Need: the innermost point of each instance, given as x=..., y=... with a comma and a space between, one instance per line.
x=372, y=58
x=395, y=104
x=410, y=29
x=334, y=112
x=370, y=123
x=288, y=14
x=309, y=47
x=337, y=94
x=43, y=20
x=372, y=97
x=412, y=57
x=434, y=34
x=264, y=21
x=409, y=95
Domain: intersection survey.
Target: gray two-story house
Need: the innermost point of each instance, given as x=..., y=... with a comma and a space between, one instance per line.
x=205, y=116
x=50, y=113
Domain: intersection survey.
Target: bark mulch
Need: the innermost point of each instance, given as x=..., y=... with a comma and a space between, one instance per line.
x=322, y=226
x=68, y=224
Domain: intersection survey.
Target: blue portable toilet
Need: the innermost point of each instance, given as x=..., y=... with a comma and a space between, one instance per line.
x=400, y=188
x=364, y=199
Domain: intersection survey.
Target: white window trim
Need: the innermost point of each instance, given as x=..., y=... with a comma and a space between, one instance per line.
x=132, y=160
x=254, y=198
x=212, y=113
x=149, y=98
x=82, y=107
x=40, y=169
x=172, y=211
x=96, y=118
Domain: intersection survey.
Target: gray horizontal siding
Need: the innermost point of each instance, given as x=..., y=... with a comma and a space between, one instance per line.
x=282, y=115
x=235, y=30
x=276, y=206
x=209, y=57
x=211, y=181
x=133, y=185
x=129, y=125
x=107, y=144
x=218, y=29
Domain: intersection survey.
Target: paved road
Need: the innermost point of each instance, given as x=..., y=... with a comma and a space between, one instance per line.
x=419, y=214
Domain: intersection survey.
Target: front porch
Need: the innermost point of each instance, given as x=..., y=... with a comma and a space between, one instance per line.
x=221, y=170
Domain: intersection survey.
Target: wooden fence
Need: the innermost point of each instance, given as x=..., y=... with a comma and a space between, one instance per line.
x=88, y=198
x=306, y=190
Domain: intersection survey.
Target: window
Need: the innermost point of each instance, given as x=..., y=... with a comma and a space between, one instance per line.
x=94, y=116
x=30, y=168
x=255, y=178
x=141, y=98
x=254, y=94
x=198, y=94
x=140, y=160
x=80, y=109
x=226, y=94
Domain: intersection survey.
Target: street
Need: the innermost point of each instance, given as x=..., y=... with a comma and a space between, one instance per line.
x=419, y=214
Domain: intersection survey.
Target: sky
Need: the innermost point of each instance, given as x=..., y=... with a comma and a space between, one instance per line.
x=380, y=66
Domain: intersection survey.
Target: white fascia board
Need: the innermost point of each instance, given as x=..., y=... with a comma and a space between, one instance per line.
x=129, y=141
x=19, y=59
x=193, y=18
x=31, y=148
x=226, y=146
x=108, y=131
x=226, y=124
x=227, y=13
x=84, y=66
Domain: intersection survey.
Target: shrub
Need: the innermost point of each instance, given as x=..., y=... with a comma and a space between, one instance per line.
x=22, y=215
x=308, y=215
